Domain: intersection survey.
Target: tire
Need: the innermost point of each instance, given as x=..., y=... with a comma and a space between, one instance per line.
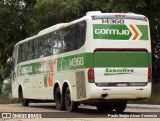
x=70, y=105
x=120, y=107
x=59, y=100
x=103, y=107
x=24, y=102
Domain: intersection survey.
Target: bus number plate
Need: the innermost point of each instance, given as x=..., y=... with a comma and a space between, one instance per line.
x=113, y=21
x=121, y=84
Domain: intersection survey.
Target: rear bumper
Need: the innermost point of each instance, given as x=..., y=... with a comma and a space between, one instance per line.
x=128, y=93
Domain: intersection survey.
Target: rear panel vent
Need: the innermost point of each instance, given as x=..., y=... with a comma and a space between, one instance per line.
x=80, y=84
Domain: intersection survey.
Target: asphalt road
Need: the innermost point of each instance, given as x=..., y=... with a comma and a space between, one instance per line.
x=47, y=110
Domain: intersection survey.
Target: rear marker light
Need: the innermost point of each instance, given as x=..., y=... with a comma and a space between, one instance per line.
x=106, y=89
x=91, y=75
x=149, y=74
x=139, y=89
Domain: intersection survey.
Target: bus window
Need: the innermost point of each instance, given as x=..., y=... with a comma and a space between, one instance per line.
x=54, y=43
x=74, y=36
x=25, y=51
x=20, y=53
x=59, y=41
x=47, y=48
x=31, y=54
x=39, y=48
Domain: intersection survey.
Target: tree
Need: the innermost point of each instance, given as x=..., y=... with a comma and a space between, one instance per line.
x=50, y=12
x=151, y=9
x=14, y=16
x=23, y=18
x=9, y=29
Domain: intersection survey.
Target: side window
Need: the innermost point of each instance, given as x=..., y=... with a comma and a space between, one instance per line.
x=31, y=53
x=20, y=53
x=67, y=43
x=57, y=42
x=39, y=48
x=60, y=41
x=47, y=47
x=74, y=36
x=63, y=40
x=14, y=56
x=25, y=51
x=36, y=44
x=81, y=33
x=68, y=39
x=54, y=43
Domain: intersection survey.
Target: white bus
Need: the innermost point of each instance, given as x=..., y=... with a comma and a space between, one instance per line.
x=101, y=59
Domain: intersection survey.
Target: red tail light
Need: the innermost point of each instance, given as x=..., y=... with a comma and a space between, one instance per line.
x=91, y=75
x=149, y=74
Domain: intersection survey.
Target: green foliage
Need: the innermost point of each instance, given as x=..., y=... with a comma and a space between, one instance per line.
x=6, y=88
x=9, y=27
x=126, y=6
x=14, y=16
x=50, y=12
x=23, y=18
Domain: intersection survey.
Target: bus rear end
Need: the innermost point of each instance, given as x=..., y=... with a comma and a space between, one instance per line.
x=122, y=68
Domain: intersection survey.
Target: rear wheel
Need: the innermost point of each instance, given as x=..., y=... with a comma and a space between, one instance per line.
x=59, y=100
x=70, y=105
x=120, y=107
x=103, y=107
x=25, y=102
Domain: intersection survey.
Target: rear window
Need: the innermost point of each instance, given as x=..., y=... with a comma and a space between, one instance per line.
x=121, y=59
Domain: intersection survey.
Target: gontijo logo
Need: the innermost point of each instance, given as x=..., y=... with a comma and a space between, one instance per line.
x=120, y=32
x=112, y=31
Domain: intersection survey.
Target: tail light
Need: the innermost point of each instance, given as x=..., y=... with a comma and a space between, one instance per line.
x=149, y=74
x=91, y=75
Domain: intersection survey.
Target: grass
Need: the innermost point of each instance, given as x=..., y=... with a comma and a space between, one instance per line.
x=6, y=99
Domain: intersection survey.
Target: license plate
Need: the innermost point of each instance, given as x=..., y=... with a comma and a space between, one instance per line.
x=122, y=84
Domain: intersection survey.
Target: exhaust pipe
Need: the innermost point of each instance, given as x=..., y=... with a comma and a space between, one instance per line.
x=104, y=95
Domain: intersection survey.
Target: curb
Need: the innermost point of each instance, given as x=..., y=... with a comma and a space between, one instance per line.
x=143, y=106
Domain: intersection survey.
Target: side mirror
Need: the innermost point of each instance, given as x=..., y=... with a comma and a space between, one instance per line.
x=9, y=64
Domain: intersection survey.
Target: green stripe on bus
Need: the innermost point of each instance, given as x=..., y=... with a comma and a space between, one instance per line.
x=29, y=69
x=144, y=30
x=150, y=60
x=34, y=68
x=89, y=60
x=121, y=59
x=73, y=62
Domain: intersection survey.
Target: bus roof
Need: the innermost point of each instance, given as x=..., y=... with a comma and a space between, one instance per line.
x=94, y=15
x=50, y=29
